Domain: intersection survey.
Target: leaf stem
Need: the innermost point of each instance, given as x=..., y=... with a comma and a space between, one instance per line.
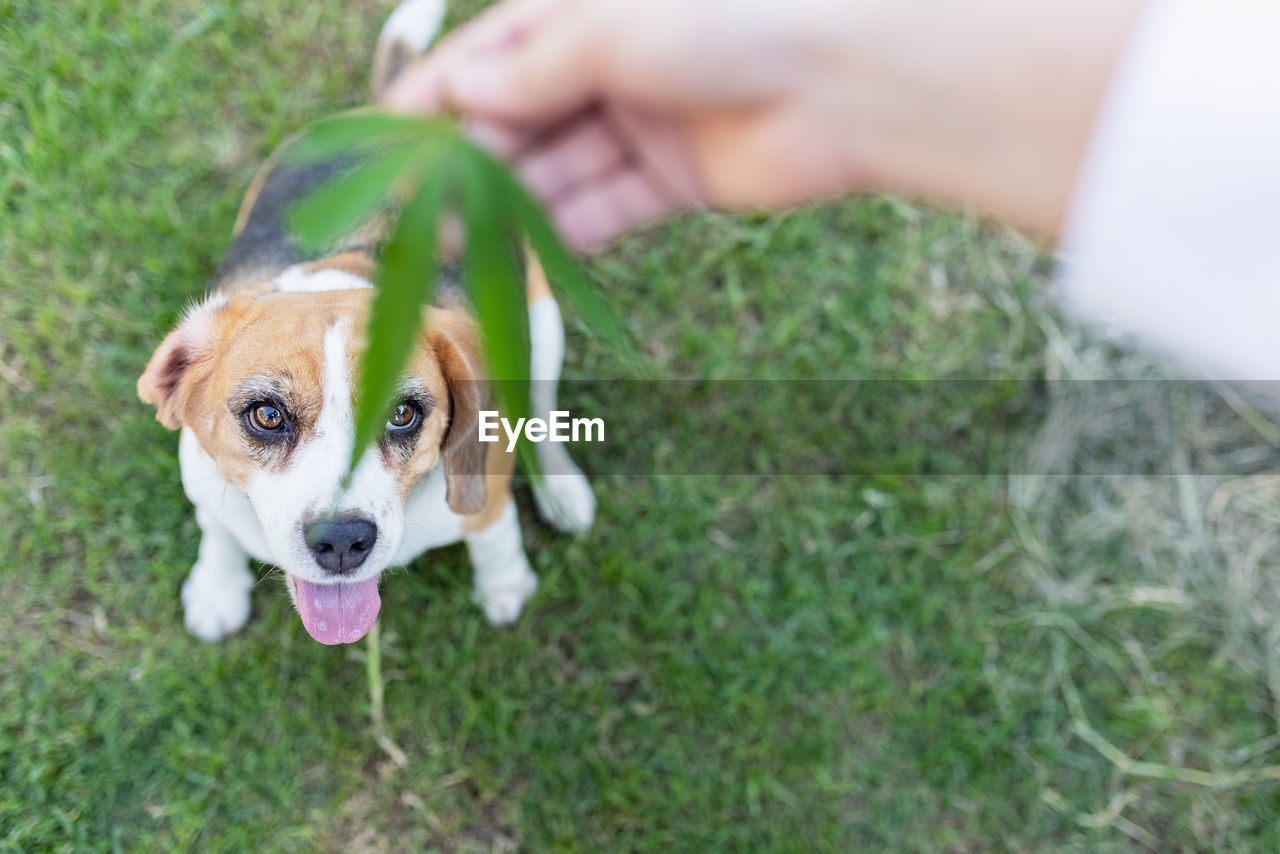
x=373, y=670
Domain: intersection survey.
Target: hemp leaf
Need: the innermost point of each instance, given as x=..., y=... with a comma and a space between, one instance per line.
x=421, y=170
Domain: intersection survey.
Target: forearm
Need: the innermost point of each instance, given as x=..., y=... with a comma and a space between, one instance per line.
x=989, y=103
x=750, y=105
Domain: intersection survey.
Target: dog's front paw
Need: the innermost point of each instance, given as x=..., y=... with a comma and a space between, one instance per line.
x=565, y=501
x=502, y=602
x=214, y=605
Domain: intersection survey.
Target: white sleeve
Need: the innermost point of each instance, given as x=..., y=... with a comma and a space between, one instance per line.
x=1173, y=232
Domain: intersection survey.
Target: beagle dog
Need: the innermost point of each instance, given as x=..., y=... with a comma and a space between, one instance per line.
x=259, y=379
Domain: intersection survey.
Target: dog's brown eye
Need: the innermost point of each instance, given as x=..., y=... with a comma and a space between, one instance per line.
x=403, y=416
x=264, y=416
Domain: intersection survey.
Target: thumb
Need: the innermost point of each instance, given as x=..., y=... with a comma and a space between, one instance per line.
x=548, y=72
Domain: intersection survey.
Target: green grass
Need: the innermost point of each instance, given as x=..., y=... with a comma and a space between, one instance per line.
x=822, y=663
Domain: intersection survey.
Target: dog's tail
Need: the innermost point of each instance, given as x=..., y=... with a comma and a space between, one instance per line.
x=407, y=33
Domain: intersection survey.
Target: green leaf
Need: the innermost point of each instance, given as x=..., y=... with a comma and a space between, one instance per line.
x=497, y=291
x=405, y=282
x=348, y=132
x=497, y=211
x=563, y=270
x=338, y=207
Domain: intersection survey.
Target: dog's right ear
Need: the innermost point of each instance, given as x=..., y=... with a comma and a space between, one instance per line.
x=163, y=384
x=456, y=343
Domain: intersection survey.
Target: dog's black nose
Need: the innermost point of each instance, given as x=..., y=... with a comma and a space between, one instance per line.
x=340, y=545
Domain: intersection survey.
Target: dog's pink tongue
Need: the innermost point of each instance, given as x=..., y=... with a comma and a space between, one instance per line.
x=338, y=613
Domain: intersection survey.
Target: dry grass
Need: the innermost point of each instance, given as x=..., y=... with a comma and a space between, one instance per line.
x=1147, y=491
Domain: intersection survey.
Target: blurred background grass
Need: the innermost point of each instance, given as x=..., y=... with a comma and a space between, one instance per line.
x=900, y=663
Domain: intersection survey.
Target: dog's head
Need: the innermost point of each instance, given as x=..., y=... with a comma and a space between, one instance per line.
x=266, y=384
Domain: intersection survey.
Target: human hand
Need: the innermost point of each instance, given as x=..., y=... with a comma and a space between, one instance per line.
x=697, y=105
x=619, y=111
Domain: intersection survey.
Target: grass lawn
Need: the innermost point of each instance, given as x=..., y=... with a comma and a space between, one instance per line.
x=883, y=662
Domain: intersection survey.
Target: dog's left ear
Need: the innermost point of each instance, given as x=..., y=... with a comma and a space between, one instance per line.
x=456, y=344
x=164, y=383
